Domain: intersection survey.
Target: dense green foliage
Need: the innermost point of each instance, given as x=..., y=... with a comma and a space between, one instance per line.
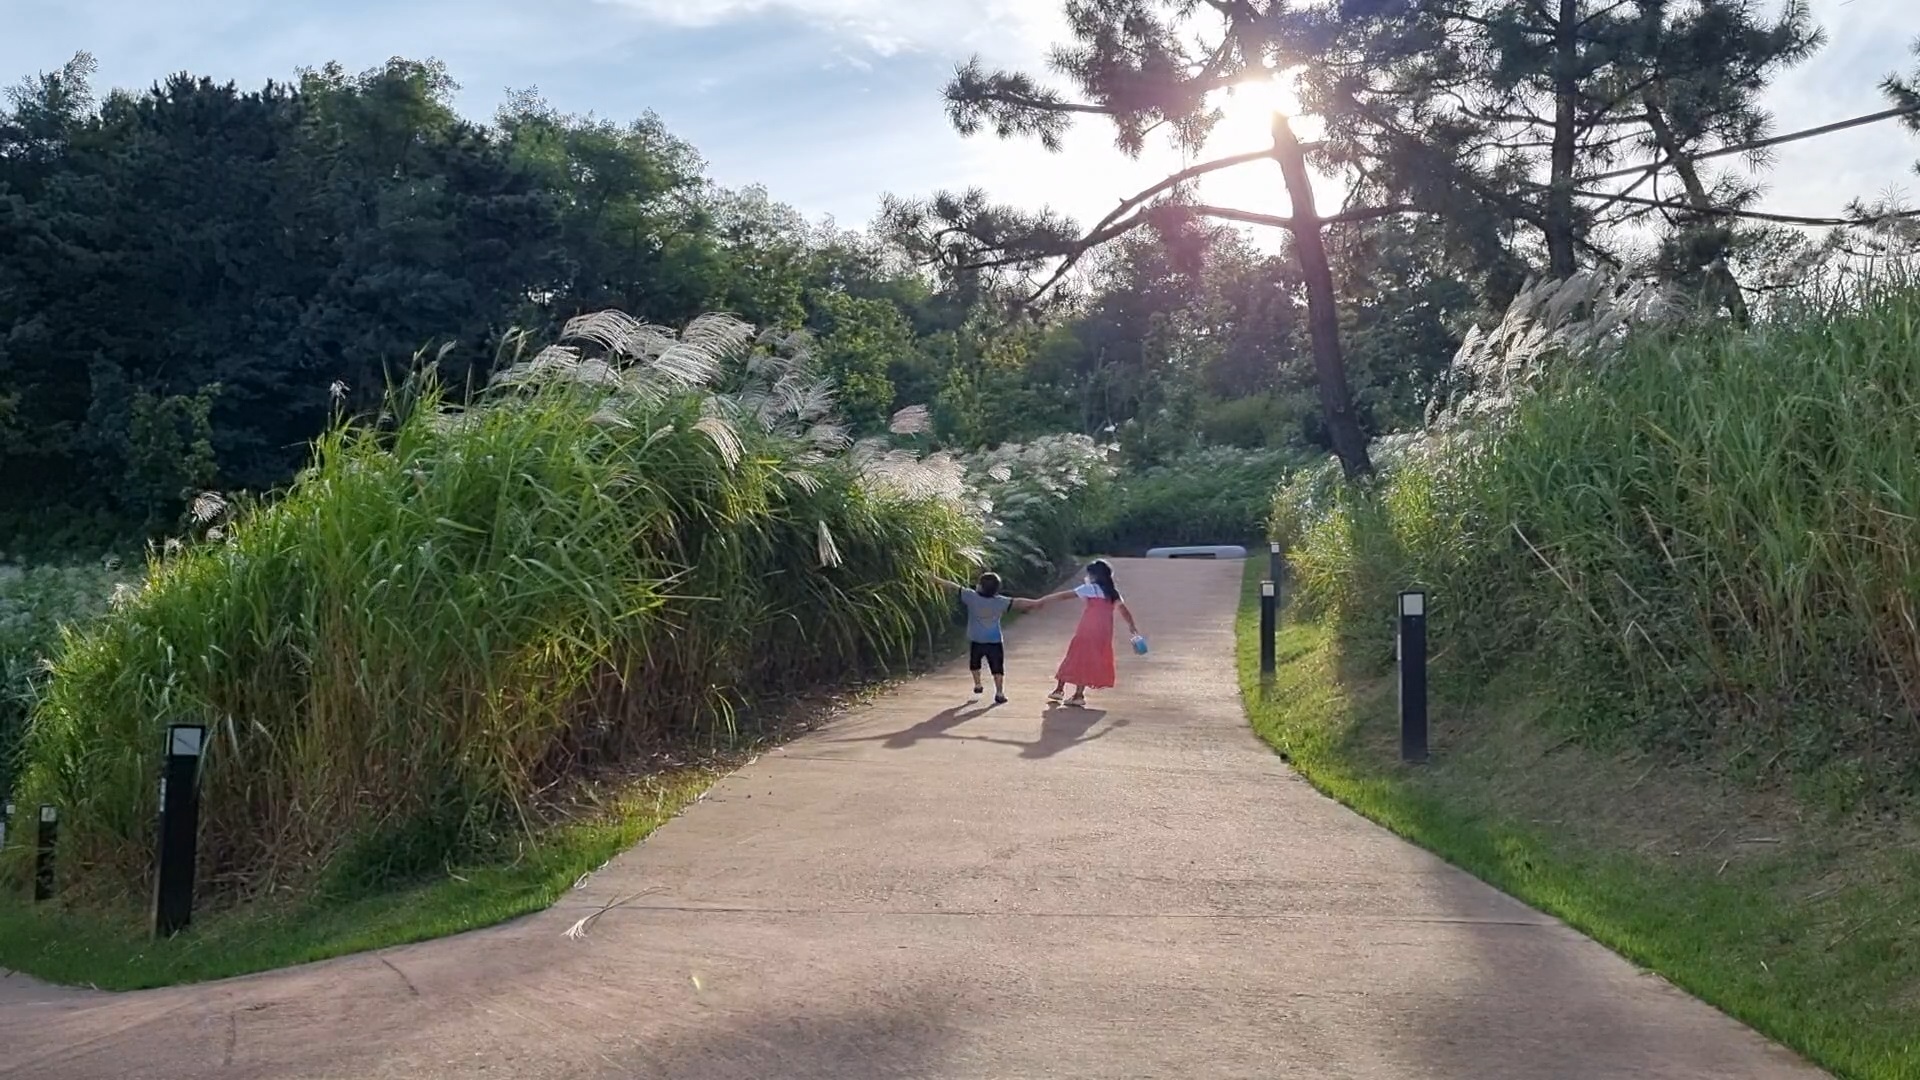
x=35, y=601
x=1705, y=529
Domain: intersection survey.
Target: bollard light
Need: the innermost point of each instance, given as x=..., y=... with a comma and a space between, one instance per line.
x=1410, y=648
x=1268, y=626
x=179, y=829
x=48, y=841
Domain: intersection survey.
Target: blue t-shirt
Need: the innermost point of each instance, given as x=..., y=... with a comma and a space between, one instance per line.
x=983, y=615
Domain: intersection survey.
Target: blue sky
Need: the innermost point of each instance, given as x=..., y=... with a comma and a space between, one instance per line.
x=831, y=103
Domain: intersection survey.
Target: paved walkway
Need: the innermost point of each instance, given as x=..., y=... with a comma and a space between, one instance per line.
x=925, y=889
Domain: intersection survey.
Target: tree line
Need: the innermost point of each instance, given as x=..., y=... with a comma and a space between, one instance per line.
x=196, y=279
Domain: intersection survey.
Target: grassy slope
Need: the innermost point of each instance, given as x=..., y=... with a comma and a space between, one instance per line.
x=120, y=954
x=1804, y=928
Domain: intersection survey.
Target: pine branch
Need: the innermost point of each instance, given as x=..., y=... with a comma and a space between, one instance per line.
x=1604, y=12
x=1132, y=213
x=1175, y=180
x=1094, y=239
x=1756, y=215
x=1905, y=110
x=1364, y=213
x=1013, y=103
x=1495, y=24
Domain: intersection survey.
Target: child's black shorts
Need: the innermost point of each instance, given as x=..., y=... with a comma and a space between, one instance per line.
x=993, y=652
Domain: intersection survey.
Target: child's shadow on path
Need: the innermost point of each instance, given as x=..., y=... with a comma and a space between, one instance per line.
x=936, y=726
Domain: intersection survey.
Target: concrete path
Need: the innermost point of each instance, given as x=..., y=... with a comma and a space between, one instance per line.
x=926, y=889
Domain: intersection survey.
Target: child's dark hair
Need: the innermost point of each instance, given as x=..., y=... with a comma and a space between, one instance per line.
x=988, y=585
x=1102, y=574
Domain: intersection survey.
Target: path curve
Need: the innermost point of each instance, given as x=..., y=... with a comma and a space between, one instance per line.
x=922, y=889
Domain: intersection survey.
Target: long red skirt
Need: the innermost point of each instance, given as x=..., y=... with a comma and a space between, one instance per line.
x=1089, y=660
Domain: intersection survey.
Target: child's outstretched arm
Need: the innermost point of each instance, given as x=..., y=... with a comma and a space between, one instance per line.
x=944, y=583
x=1132, y=627
x=1023, y=603
x=1052, y=598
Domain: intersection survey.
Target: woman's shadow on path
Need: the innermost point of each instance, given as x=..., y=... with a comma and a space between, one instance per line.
x=1061, y=728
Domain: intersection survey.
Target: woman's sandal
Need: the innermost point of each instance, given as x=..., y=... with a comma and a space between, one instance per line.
x=1077, y=701
x=1056, y=696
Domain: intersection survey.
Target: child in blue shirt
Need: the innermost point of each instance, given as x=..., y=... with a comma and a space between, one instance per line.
x=985, y=605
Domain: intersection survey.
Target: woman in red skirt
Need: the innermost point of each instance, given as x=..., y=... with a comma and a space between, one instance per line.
x=1089, y=660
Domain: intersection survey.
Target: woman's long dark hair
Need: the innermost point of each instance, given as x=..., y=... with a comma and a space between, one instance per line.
x=1102, y=574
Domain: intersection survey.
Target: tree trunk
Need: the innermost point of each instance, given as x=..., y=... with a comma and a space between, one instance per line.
x=1323, y=314
x=1566, y=90
x=1721, y=278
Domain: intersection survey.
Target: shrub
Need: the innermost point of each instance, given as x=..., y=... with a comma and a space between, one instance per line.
x=622, y=541
x=1257, y=421
x=35, y=602
x=1036, y=496
x=1216, y=495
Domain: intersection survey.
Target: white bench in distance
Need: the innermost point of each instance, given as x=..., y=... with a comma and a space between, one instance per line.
x=1204, y=551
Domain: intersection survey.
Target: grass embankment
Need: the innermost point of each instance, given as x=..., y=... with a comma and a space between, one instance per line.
x=114, y=949
x=1674, y=647
x=415, y=659
x=1800, y=926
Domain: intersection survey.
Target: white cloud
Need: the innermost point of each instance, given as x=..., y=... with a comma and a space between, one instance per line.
x=879, y=137
x=1001, y=28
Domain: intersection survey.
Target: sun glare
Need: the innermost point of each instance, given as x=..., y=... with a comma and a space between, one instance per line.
x=1265, y=96
x=1247, y=110
x=1246, y=124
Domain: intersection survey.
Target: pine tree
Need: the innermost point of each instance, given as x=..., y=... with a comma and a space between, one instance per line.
x=1146, y=67
x=1507, y=104
x=1904, y=93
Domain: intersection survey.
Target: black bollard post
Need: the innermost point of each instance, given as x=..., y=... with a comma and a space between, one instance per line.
x=43, y=863
x=1267, y=627
x=1412, y=651
x=179, y=829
